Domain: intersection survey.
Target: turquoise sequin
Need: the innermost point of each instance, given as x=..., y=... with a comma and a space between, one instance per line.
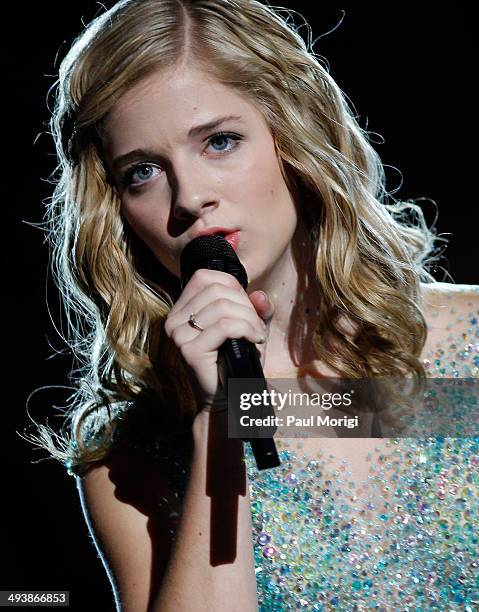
x=404, y=538
x=423, y=551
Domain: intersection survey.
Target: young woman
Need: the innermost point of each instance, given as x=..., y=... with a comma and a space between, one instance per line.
x=176, y=118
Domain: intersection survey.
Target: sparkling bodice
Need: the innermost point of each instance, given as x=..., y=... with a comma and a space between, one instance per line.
x=373, y=524
x=393, y=526
x=405, y=539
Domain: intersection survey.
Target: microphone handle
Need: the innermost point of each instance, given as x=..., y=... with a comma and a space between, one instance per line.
x=238, y=358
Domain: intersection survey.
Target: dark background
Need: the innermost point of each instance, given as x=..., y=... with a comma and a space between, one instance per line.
x=408, y=74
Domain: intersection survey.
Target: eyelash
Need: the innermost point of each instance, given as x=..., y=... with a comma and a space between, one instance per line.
x=126, y=178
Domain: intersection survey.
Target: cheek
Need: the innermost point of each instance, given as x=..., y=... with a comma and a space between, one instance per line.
x=274, y=203
x=150, y=226
x=263, y=182
x=144, y=219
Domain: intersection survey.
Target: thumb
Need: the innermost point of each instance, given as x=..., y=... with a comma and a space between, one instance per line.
x=263, y=305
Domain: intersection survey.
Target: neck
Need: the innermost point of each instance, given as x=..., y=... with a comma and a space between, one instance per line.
x=294, y=291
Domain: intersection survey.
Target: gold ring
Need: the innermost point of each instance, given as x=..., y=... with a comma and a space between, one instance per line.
x=193, y=322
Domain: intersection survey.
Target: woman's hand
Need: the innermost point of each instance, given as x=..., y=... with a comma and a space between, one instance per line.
x=224, y=310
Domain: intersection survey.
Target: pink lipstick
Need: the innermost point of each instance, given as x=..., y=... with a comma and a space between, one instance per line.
x=233, y=239
x=231, y=235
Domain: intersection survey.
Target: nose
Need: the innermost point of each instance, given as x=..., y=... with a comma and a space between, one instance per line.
x=192, y=190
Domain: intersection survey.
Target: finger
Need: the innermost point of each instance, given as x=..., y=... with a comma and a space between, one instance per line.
x=203, y=278
x=208, y=341
x=263, y=305
x=216, y=293
x=224, y=308
x=214, y=312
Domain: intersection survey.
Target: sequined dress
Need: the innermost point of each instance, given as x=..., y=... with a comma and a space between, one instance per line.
x=388, y=524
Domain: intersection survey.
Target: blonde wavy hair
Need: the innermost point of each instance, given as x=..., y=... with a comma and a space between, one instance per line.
x=371, y=251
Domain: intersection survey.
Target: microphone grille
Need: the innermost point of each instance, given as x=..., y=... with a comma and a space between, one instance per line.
x=212, y=252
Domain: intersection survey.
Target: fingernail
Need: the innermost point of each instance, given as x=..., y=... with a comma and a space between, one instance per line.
x=265, y=297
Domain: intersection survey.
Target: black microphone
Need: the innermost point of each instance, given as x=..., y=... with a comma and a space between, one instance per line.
x=238, y=358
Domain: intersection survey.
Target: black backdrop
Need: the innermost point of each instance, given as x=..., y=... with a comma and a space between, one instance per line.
x=408, y=74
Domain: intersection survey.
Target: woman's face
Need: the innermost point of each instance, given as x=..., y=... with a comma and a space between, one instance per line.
x=188, y=154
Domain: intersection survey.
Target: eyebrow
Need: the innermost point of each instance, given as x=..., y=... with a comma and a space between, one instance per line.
x=151, y=154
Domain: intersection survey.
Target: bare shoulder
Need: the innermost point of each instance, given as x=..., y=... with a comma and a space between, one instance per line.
x=440, y=295
x=128, y=507
x=445, y=302
x=452, y=316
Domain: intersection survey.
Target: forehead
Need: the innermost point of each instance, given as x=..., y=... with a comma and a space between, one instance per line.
x=168, y=103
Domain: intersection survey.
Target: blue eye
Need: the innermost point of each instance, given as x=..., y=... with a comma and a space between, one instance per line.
x=142, y=172
x=224, y=138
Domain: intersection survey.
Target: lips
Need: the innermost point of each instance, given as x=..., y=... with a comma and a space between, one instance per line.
x=233, y=239
x=231, y=235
